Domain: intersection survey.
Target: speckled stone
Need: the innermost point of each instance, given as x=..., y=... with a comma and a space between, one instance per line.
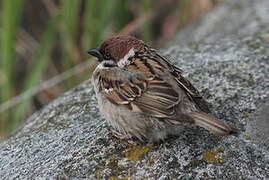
x=69, y=138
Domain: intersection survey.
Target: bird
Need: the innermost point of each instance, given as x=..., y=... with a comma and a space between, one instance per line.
x=142, y=95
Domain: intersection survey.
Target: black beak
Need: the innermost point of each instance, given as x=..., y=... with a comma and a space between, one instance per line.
x=96, y=53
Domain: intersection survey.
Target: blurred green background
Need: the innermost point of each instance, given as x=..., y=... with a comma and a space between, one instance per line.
x=43, y=43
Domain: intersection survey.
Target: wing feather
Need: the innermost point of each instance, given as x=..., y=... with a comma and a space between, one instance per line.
x=152, y=96
x=189, y=89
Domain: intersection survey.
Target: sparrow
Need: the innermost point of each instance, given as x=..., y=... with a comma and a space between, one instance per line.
x=143, y=95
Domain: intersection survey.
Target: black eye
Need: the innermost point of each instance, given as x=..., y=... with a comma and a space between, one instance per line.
x=107, y=56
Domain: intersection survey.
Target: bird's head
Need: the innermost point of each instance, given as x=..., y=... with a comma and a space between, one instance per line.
x=117, y=48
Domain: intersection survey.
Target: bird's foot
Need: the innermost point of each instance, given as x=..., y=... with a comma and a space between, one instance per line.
x=125, y=137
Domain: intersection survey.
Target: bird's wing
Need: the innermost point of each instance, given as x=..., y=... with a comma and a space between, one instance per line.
x=193, y=94
x=157, y=62
x=139, y=92
x=182, y=82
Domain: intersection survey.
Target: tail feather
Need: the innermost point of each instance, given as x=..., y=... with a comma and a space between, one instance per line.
x=210, y=123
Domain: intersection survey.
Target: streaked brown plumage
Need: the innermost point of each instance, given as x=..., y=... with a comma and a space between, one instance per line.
x=143, y=95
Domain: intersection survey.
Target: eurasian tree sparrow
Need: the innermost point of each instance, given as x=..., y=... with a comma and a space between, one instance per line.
x=143, y=95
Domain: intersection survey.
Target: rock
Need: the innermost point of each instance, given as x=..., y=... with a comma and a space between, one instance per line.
x=233, y=19
x=69, y=138
x=258, y=127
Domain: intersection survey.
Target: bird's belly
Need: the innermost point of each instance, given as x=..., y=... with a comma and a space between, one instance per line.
x=132, y=124
x=122, y=119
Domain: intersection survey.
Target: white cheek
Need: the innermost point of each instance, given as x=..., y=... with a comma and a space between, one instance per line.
x=125, y=60
x=102, y=65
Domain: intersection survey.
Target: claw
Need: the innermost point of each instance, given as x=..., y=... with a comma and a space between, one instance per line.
x=125, y=137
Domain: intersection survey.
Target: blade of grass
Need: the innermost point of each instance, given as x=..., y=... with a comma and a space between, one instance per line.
x=122, y=14
x=147, y=31
x=98, y=13
x=11, y=15
x=103, y=20
x=41, y=59
x=88, y=21
x=68, y=25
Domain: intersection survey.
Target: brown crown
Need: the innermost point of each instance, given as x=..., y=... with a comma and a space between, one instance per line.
x=119, y=46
